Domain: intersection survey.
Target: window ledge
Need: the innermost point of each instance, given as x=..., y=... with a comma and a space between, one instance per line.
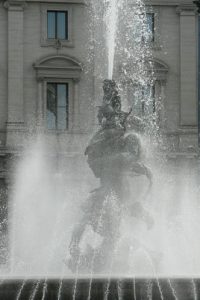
x=59, y=1
x=64, y=131
x=58, y=44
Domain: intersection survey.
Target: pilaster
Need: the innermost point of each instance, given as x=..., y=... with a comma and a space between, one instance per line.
x=188, y=65
x=15, y=120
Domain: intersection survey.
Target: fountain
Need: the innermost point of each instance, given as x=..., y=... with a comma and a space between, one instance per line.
x=113, y=155
x=131, y=237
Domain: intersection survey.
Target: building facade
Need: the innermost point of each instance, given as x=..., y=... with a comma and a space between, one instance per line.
x=34, y=57
x=177, y=46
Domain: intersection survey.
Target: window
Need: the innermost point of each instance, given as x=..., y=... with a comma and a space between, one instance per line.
x=57, y=106
x=150, y=17
x=57, y=25
x=144, y=100
x=148, y=102
x=58, y=90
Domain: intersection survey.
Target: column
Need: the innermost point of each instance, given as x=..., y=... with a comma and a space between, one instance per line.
x=158, y=103
x=188, y=65
x=40, y=105
x=15, y=121
x=75, y=116
x=100, y=56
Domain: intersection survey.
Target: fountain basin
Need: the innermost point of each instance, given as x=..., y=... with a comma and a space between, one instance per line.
x=119, y=289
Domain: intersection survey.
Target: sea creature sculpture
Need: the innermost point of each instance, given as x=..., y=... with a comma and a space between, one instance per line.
x=113, y=155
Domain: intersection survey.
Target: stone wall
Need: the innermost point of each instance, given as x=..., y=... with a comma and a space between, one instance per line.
x=177, y=47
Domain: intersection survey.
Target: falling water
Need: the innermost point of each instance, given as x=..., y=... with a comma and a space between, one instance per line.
x=134, y=288
x=173, y=290
x=114, y=254
x=107, y=290
x=60, y=289
x=21, y=289
x=99, y=224
x=149, y=289
x=154, y=272
x=33, y=295
x=120, y=289
x=76, y=279
x=194, y=289
x=44, y=289
x=160, y=289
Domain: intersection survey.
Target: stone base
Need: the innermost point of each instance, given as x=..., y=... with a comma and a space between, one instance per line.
x=101, y=289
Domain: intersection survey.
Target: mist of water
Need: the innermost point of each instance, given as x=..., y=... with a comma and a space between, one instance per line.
x=46, y=207
x=46, y=201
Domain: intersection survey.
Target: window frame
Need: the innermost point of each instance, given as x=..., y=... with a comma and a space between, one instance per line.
x=143, y=102
x=56, y=102
x=56, y=24
x=53, y=42
x=140, y=104
x=70, y=104
x=155, y=43
x=153, y=26
x=58, y=69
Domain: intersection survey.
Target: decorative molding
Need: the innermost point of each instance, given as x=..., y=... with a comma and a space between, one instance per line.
x=59, y=69
x=158, y=68
x=168, y=2
x=58, y=66
x=59, y=1
x=76, y=80
x=15, y=126
x=58, y=44
x=190, y=130
x=186, y=10
x=15, y=5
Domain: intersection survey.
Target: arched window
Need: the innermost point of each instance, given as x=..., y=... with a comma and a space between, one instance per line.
x=58, y=78
x=148, y=100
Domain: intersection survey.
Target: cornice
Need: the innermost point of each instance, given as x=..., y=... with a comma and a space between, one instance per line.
x=186, y=10
x=169, y=2
x=15, y=5
x=58, y=1
x=57, y=66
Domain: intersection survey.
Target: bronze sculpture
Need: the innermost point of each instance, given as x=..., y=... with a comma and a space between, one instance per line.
x=113, y=154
